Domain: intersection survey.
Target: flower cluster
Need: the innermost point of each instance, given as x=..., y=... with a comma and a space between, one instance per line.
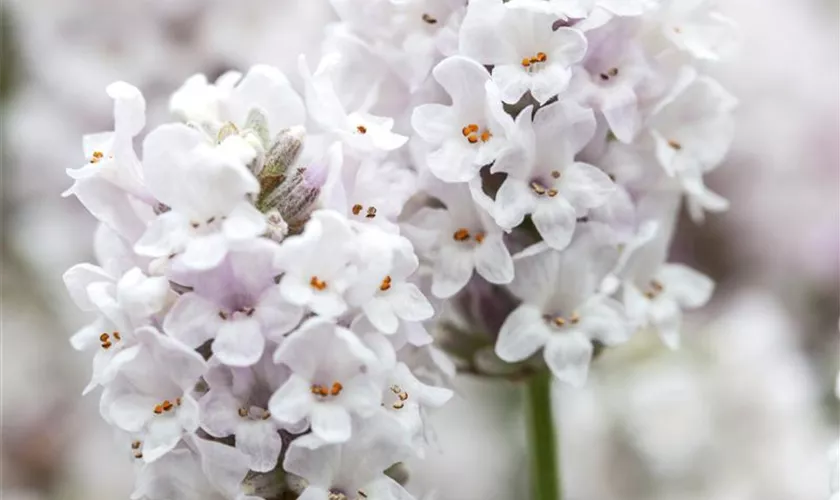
x=265, y=262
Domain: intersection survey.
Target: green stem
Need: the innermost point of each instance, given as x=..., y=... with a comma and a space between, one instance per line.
x=545, y=470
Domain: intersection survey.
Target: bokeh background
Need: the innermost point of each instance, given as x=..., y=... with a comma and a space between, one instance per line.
x=745, y=411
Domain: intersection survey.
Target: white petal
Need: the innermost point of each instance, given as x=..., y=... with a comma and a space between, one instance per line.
x=192, y=320
x=275, y=314
x=514, y=200
x=244, y=222
x=512, y=81
x=435, y=123
x=409, y=303
x=381, y=315
x=77, y=279
x=550, y=82
x=522, y=334
x=267, y=88
x=452, y=271
x=239, y=342
x=690, y=288
x=162, y=436
x=568, y=355
x=164, y=236
x=666, y=316
x=555, y=220
x=219, y=413
x=454, y=161
x=331, y=422
x=205, y=252
x=461, y=77
x=129, y=108
x=261, y=442
x=585, y=187
x=605, y=320
x=130, y=412
x=292, y=402
x=493, y=261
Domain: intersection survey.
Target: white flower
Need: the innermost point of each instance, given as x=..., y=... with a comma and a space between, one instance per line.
x=354, y=469
x=317, y=264
x=151, y=395
x=395, y=299
x=205, y=188
x=696, y=27
x=407, y=399
x=526, y=52
x=328, y=381
x=198, y=469
x=359, y=130
x=693, y=128
x=123, y=306
x=110, y=156
x=611, y=77
x=373, y=192
x=656, y=293
x=237, y=404
x=470, y=133
x=457, y=240
x=543, y=178
x=238, y=305
x=232, y=98
x=562, y=312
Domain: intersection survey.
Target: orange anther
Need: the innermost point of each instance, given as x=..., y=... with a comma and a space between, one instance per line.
x=461, y=235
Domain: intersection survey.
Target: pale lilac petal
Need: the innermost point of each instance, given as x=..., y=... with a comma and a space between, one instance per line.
x=259, y=440
x=331, y=422
x=555, y=220
x=239, y=342
x=493, y=261
x=568, y=355
x=523, y=333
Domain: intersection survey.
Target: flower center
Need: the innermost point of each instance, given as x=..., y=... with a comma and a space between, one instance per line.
x=166, y=406
x=317, y=283
x=401, y=395
x=474, y=133
x=97, y=156
x=324, y=391
x=255, y=413
x=559, y=321
x=386, y=284
x=535, y=62
x=541, y=189
x=105, y=340
x=608, y=75
x=654, y=290
x=370, y=213
x=463, y=234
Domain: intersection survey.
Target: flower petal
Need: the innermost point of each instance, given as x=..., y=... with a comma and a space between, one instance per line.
x=522, y=334
x=555, y=220
x=568, y=355
x=239, y=342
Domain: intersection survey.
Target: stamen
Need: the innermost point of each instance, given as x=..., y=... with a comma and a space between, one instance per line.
x=96, y=156
x=362, y=129
x=103, y=337
x=336, y=389
x=106, y=345
x=158, y=409
x=194, y=224
x=398, y=405
x=319, y=390
x=357, y=209
x=479, y=238
x=178, y=401
x=472, y=138
x=612, y=72
x=371, y=213
x=469, y=129
x=538, y=188
x=552, y=192
x=575, y=318
x=541, y=57
x=555, y=174
x=223, y=315
x=386, y=284
x=395, y=389
x=167, y=405
x=117, y=335
x=362, y=494
x=317, y=284
x=526, y=61
x=485, y=136
x=429, y=20
x=266, y=415
x=138, y=454
x=674, y=144
x=135, y=445
x=243, y=412
x=462, y=234
x=559, y=321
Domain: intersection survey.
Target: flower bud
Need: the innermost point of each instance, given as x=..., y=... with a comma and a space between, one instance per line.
x=281, y=154
x=294, y=199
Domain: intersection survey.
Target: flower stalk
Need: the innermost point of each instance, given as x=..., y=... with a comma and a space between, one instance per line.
x=546, y=480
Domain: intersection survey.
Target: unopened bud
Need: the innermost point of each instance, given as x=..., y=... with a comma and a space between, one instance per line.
x=282, y=154
x=296, y=196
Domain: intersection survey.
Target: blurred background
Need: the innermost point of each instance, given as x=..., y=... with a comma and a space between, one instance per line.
x=746, y=410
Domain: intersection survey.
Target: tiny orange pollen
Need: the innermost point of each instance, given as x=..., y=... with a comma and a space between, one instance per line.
x=479, y=238
x=317, y=283
x=386, y=284
x=361, y=129
x=462, y=234
x=336, y=389
x=357, y=209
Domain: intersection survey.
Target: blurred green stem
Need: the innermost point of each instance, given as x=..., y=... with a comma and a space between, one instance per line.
x=545, y=472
